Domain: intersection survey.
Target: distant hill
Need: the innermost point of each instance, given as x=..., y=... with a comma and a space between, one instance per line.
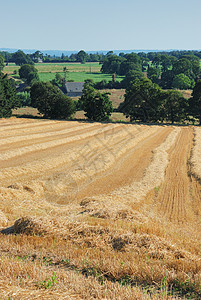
x=58, y=53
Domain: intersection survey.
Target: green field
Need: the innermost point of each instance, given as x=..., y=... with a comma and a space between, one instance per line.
x=76, y=71
x=79, y=76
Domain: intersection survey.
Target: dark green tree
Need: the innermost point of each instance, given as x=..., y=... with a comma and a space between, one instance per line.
x=20, y=58
x=82, y=56
x=28, y=73
x=1, y=63
x=143, y=101
x=8, y=98
x=130, y=77
x=153, y=73
x=182, y=82
x=195, y=102
x=111, y=64
x=183, y=66
x=166, y=62
x=97, y=106
x=166, y=79
x=175, y=106
x=50, y=101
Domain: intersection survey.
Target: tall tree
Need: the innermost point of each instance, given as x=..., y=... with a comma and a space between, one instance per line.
x=82, y=56
x=8, y=98
x=175, y=106
x=97, y=106
x=1, y=63
x=143, y=101
x=195, y=101
x=20, y=58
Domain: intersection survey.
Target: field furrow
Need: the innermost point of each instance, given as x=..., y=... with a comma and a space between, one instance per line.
x=95, y=210
x=174, y=197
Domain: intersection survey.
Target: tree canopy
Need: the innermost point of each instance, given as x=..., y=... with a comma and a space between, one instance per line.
x=20, y=58
x=97, y=106
x=50, y=101
x=195, y=101
x=1, y=63
x=8, y=98
x=147, y=102
x=28, y=73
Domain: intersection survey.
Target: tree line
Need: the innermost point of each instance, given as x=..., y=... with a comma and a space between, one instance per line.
x=166, y=70
x=19, y=57
x=146, y=102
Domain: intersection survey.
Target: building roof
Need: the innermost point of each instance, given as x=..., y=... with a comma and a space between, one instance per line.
x=74, y=87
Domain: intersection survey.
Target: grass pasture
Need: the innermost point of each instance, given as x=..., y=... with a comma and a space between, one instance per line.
x=99, y=211
x=77, y=72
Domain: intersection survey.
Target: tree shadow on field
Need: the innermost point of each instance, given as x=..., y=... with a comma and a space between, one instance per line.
x=27, y=116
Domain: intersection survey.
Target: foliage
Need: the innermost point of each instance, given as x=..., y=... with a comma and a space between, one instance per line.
x=195, y=101
x=28, y=73
x=146, y=102
x=97, y=106
x=20, y=58
x=1, y=63
x=82, y=56
x=175, y=106
x=58, y=80
x=24, y=98
x=50, y=101
x=182, y=82
x=111, y=64
x=49, y=282
x=153, y=73
x=121, y=65
x=142, y=101
x=130, y=77
x=8, y=98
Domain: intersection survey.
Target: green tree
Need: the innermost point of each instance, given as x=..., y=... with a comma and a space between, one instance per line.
x=166, y=62
x=20, y=58
x=50, y=101
x=97, y=106
x=130, y=77
x=8, y=98
x=143, y=101
x=28, y=73
x=153, y=73
x=183, y=66
x=82, y=56
x=195, y=102
x=182, y=82
x=1, y=63
x=58, y=80
x=166, y=79
x=175, y=106
x=111, y=64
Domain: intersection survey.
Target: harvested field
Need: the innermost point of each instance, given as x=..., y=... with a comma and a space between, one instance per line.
x=99, y=211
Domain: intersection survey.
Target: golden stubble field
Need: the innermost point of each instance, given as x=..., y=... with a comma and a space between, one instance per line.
x=99, y=211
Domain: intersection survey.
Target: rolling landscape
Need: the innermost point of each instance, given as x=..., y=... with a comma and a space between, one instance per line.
x=100, y=150
x=91, y=210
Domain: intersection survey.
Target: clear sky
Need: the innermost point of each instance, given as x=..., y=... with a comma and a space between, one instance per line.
x=100, y=25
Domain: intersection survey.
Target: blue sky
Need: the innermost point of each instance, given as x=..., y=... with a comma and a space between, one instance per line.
x=100, y=25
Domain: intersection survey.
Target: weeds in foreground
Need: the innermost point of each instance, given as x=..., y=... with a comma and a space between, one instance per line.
x=49, y=282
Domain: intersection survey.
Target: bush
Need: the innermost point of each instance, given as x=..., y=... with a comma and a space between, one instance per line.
x=51, y=102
